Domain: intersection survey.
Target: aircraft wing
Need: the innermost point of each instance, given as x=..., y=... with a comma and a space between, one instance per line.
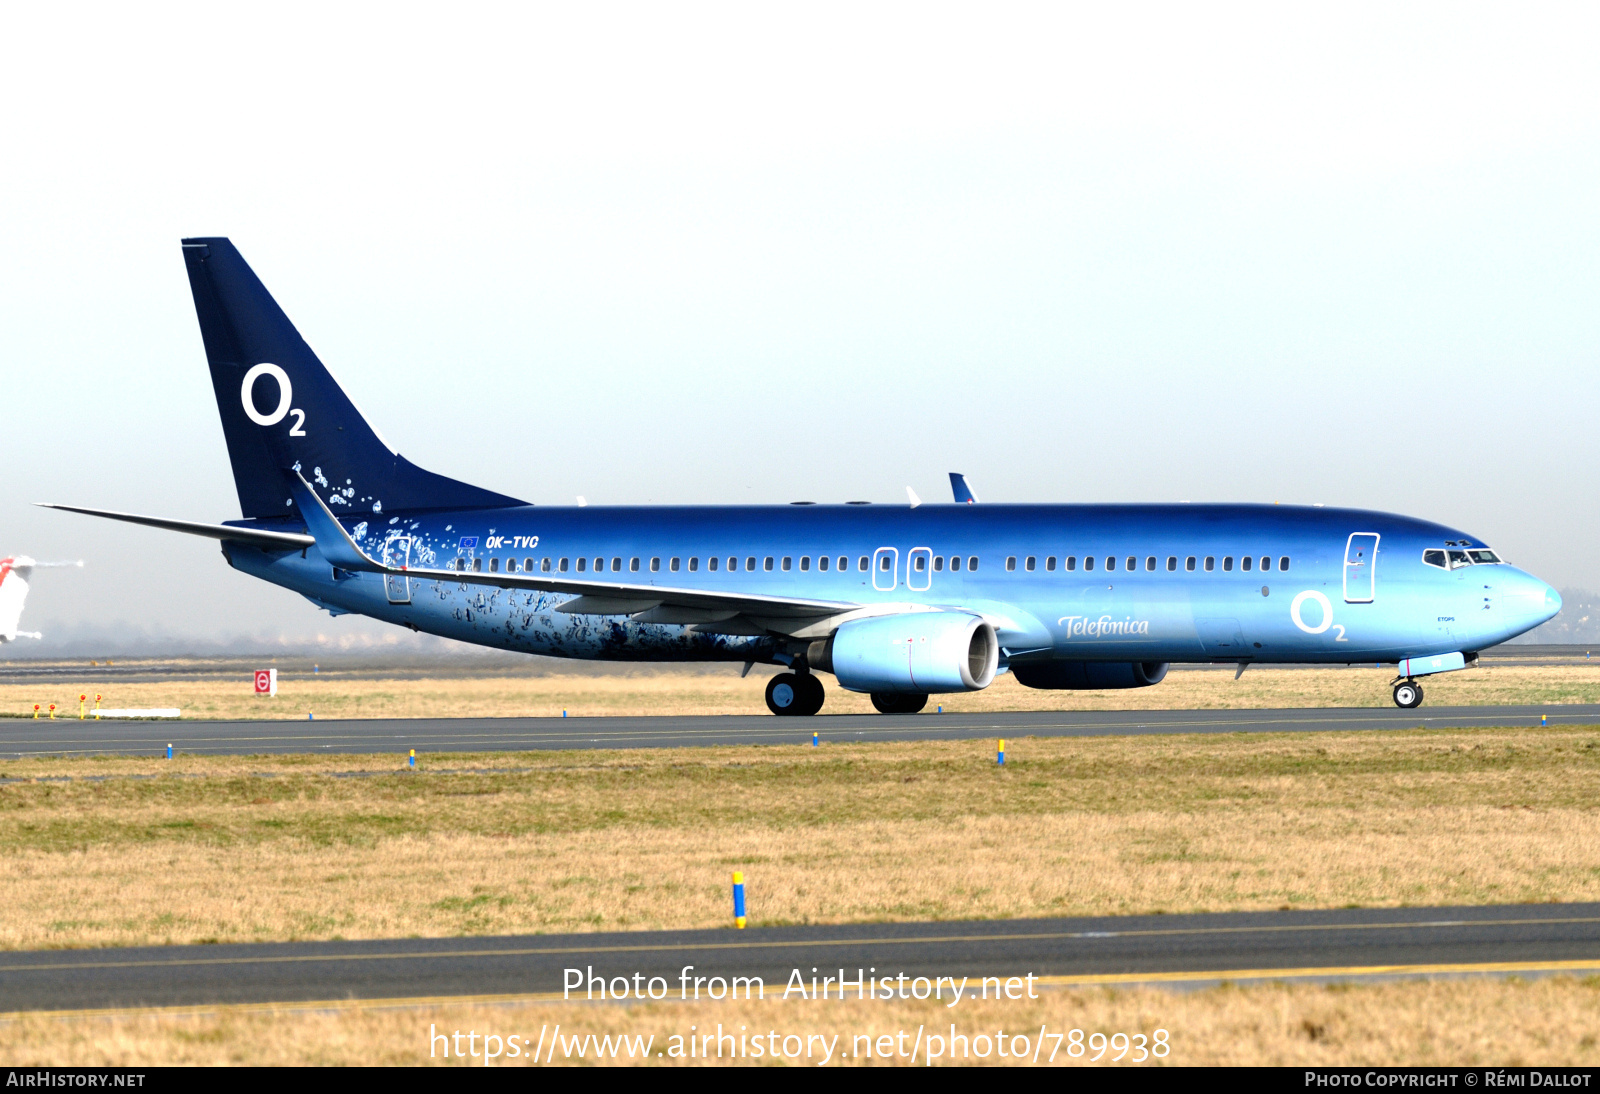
x=708, y=610
x=256, y=537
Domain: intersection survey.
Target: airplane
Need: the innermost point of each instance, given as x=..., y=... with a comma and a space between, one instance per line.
x=897, y=603
x=15, y=573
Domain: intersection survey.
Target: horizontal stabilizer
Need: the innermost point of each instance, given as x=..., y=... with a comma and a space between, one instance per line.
x=256, y=537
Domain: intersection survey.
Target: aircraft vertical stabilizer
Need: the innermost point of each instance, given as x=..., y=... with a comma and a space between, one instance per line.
x=281, y=408
x=963, y=492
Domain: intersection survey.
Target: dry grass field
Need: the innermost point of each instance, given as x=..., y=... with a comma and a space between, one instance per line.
x=1438, y=1023
x=348, y=694
x=135, y=851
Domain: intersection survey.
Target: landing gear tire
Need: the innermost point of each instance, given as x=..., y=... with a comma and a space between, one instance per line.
x=812, y=694
x=898, y=702
x=1408, y=695
x=784, y=694
x=792, y=693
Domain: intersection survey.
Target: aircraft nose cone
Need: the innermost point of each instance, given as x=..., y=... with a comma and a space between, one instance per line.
x=1530, y=601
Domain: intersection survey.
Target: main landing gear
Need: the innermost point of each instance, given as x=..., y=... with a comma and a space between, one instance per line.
x=798, y=693
x=1408, y=695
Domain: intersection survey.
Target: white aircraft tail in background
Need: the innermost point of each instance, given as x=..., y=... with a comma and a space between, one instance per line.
x=14, y=576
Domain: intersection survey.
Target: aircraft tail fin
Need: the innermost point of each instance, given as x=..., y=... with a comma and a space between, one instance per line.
x=14, y=575
x=963, y=492
x=281, y=408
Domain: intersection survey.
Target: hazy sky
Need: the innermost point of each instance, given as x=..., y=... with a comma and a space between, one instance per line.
x=738, y=253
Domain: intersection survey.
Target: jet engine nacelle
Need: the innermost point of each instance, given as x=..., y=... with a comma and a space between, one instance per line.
x=917, y=652
x=1089, y=675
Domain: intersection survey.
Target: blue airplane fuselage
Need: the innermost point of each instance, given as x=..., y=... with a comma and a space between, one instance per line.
x=1172, y=583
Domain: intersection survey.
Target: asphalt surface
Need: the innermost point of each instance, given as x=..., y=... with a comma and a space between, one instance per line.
x=1363, y=943
x=65, y=737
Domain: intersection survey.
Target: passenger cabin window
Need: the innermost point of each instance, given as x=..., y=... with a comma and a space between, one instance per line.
x=1266, y=562
x=767, y=565
x=1072, y=562
x=844, y=563
x=862, y=564
x=583, y=565
x=805, y=563
x=655, y=565
x=920, y=563
x=822, y=562
x=710, y=562
x=885, y=563
x=599, y=564
x=955, y=562
x=1028, y=563
x=477, y=565
x=1172, y=563
x=972, y=562
x=1133, y=563
x=1244, y=563
x=938, y=563
x=563, y=566
x=750, y=563
x=544, y=564
x=1050, y=563
x=494, y=565
x=1011, y=562
x=1111, y=563
x=673, y=565
x=1088, y=562
x=1283, y=563
x=633, y=564
x=1211, y=563
x=511, y=565
x=1150, y=564
x=1188, y=563
x=694, y=564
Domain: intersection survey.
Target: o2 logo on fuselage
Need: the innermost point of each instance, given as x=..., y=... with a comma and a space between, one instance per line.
x=285, y=397
x=1327, y=614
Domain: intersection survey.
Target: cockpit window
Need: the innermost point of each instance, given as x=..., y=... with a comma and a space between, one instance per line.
x=1455, y=559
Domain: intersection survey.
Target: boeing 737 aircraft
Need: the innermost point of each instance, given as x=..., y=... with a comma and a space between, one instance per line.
x=897, y=602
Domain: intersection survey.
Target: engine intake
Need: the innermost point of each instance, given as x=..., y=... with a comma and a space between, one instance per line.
x=915, y=652
x=1089, y=675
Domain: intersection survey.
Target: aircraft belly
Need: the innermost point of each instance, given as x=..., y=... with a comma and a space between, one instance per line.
x=517, y=620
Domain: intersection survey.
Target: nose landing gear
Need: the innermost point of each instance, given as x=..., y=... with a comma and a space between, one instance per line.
x=1408, y=694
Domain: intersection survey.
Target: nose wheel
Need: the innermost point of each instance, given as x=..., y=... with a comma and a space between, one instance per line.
x=795, y=693
x=1408, y=695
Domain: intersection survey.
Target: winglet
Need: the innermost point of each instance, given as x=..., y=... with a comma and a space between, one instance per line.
x=332, y=540
x=963, y=492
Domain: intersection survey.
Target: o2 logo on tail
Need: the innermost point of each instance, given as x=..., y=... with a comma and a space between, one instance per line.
x=285, y=397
